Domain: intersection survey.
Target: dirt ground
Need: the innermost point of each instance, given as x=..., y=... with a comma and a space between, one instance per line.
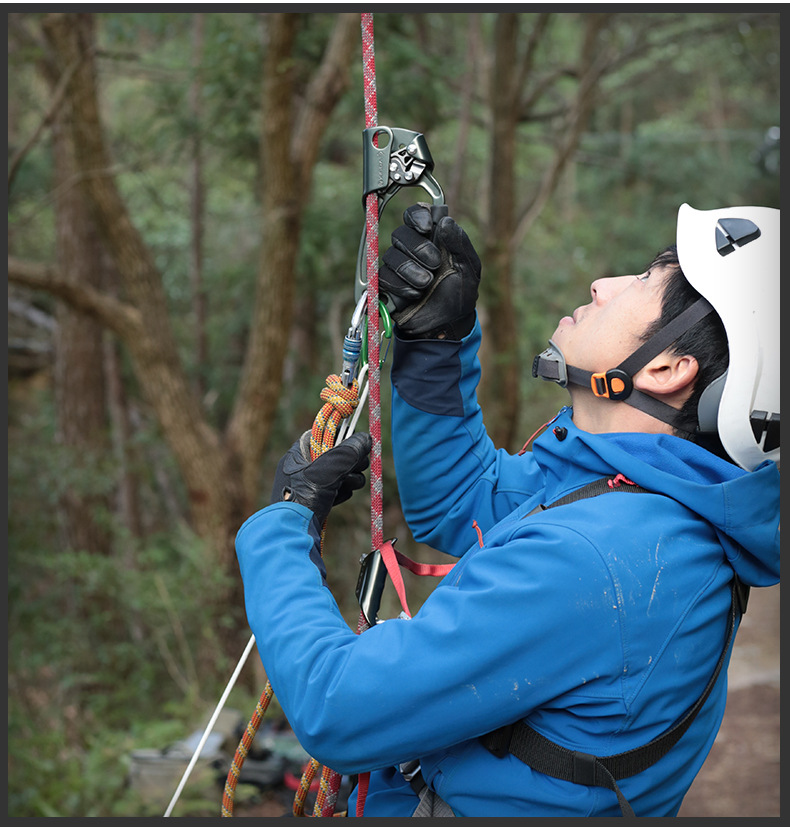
x=740, y=778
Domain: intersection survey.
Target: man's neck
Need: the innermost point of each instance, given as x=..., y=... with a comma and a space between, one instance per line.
x=599, y=416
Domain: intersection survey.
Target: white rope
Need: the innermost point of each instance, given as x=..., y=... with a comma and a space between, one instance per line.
x=211, y=723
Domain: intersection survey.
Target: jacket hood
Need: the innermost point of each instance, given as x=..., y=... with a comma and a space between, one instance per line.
x=742, y=506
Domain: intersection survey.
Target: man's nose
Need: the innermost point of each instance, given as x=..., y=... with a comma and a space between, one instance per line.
x=604, y=289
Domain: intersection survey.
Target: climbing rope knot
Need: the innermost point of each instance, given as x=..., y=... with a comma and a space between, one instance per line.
x=341, y=398
x=339, y=402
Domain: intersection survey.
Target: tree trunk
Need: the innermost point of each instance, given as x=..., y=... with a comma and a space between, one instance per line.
x=197, y=207
x=289, y=150
x=151, y=343
x=513, y=95
x=79, y=366
x=222, y=475
x=501, y=374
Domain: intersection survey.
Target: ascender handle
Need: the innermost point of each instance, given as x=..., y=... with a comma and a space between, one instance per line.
x=394, y=158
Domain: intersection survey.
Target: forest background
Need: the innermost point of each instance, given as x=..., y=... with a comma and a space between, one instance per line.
x=184, y=214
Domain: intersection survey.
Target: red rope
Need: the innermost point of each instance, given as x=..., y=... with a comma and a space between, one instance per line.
x=372, y=244
x=374, y=373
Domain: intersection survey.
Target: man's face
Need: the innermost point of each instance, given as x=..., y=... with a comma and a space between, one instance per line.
x=600, y=335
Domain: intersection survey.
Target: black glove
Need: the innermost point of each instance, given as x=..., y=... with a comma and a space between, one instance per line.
x=328, y=480
x=432, y=282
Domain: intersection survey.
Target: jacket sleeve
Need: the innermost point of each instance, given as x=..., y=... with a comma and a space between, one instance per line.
x=449, y=472
x=408, y=687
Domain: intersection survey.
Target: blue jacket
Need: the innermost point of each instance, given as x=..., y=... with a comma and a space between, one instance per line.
x=599, y=622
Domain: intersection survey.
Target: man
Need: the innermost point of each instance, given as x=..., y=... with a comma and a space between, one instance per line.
x=595, y=624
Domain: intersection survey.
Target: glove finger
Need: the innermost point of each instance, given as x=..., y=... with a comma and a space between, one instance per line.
x=402, y=279
x=352, y=482
x=351, y=455
x=452, y=237
x=295, y=459
x=416, y=246
x=419, y=217
x=412, y=273
x=290, y=463
x=361, y=443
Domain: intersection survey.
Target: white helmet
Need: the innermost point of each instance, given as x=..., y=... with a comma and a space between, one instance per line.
x=731, y=257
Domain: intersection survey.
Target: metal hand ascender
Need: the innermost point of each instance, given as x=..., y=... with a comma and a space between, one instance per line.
x=394, y=158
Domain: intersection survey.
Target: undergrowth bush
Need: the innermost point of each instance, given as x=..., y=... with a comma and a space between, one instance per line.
x=104, y=657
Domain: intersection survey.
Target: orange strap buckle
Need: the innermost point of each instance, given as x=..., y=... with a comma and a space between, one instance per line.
x=614, y=384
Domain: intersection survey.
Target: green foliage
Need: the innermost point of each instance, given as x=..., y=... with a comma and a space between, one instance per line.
x=104, y=656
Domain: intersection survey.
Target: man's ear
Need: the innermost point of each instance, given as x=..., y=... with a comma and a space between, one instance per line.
x=668, y=374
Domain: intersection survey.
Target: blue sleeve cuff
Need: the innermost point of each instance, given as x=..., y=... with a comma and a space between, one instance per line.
x=427, y=373
x=310, y=525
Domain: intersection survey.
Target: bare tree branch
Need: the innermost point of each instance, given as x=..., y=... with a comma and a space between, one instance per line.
x=466, y=96
x=57, y=101
x=528, y=62
x=592, y=67
x=121, y=318
x=324, y=90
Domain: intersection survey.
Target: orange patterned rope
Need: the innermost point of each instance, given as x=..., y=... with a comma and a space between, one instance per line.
x=243, y=749
x=340, y=402
x=304, y=787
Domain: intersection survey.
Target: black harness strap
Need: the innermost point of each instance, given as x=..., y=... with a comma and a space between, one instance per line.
x=549, y=758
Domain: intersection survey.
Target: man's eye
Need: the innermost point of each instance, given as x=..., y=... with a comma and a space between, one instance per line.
x=644, y=277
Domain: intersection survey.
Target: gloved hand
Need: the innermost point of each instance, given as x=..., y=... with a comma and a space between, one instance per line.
x=328, y=480
x=432, y=282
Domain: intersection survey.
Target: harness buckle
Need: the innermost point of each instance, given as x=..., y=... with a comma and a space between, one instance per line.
x=498, y=742
x=614, y=384
x=584, y=768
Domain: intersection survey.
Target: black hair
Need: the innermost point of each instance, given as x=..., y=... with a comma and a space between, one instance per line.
x=706, y=340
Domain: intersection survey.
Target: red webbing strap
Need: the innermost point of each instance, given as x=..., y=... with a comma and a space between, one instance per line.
x=374, y=373
x=393, y=560
x=438, y=571
x=391, y=563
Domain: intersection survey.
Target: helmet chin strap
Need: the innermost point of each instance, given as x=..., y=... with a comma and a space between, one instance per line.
x=617, y=383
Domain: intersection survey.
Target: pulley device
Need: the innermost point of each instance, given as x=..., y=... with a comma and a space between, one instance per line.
x=393, y=158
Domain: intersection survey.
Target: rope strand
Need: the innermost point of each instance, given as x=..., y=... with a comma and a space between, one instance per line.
x=240, y=756
x=374, y=376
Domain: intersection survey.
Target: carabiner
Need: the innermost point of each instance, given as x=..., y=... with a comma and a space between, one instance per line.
x=355, y=342
x=386, y=333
